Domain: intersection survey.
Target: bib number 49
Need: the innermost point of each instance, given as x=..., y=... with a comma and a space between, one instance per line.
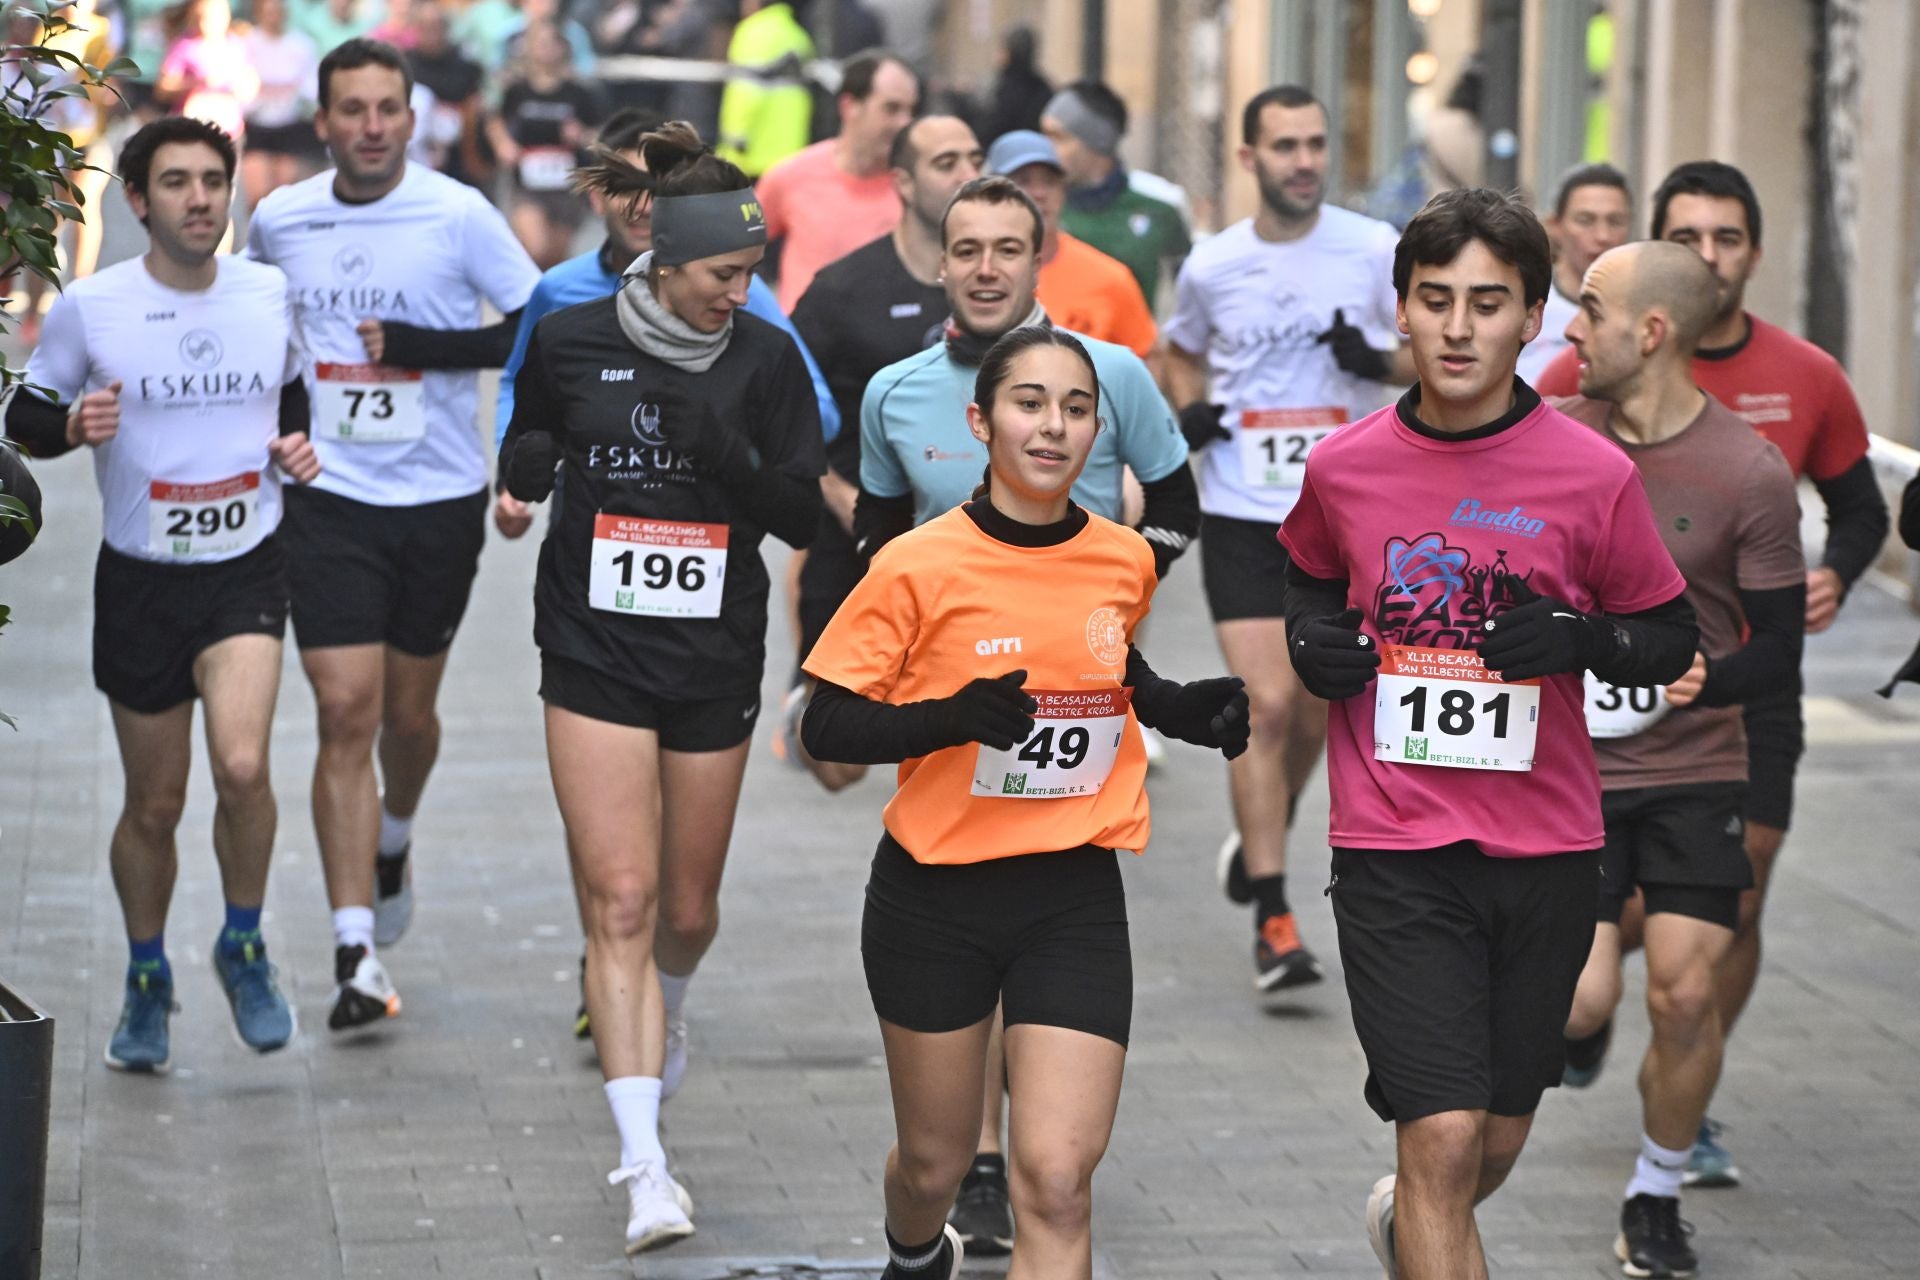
x=1040, y=748
x=1075, y=740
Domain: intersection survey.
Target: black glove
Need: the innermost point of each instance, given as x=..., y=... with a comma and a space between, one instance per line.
x=1207, y=713
x=1200, y=424
x=1540, y=636
x=1332, y=658
x=995, y=713
x=692, y=427
x=1352, y=352
x=528, y=466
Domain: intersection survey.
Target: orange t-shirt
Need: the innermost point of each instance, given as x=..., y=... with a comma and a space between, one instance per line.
x=946, y=604
x=1086, y=291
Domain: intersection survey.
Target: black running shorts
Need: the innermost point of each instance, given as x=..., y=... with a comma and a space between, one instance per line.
x=1243, y=568
x=712, y=724
x=151, y=619
x=1044, y=935
x=1683, y=846
x=1460, y=972
x=828, y=576
x=366, y=574
x=1776, y=739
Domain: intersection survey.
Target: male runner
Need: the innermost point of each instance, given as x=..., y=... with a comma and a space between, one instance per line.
x=1673, y=761
x=1480, y=552
x=389, y=264
x=1798, y=397
x=1105, y=206
x=181, y=371
x=1592, y=212
x=1252, y=315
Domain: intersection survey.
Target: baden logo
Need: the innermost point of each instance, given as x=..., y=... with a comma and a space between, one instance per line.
x=354, y=263
x=1470, y=514
x=1107, y=636
x=201, y=348
x=646, y=425
x=999, y=644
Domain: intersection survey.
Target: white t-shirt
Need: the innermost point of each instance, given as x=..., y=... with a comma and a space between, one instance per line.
x=200, y=377
x=425, y=254
x=289, y=68
x=1256, y=310
x=1538, y=354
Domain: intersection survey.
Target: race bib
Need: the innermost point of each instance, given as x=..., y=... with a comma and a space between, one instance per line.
x=1075, y=740
x=546, y=168
x=218, y=518
x=1443, y=707
x=369, y=403
x=1274, y=443
x=657, y=568
x=1613, y=712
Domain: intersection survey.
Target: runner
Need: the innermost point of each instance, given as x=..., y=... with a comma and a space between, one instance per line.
x=1105, y=206
x=1673, y=762
x=687, y=434
x=880, y=304
x=538, y=135
x=1591, y=214
x=389, y=263
x=1495, y=550
x=181, y=371
x=1251, y=314
x=967, y=907
x=1798, y=397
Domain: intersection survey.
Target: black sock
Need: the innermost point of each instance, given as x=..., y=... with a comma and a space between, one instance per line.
x=1269, y=897
x=915, y=1260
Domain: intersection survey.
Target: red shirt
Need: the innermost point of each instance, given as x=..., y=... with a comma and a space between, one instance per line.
x=1789, y=390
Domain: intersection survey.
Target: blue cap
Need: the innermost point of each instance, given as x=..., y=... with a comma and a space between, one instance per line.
x=1012, y=152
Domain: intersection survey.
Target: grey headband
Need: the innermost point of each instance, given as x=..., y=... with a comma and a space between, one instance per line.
x=1083, y=122
x=687, y=228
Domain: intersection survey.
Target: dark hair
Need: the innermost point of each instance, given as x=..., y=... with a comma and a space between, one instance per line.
x=1021, y=45
x=351, y=55
x=136, y=156
x=1452, y=219
x=858, y=73
x=625, y=127
x=1470, y=88
x=678, y=164
x=1706, y=178
x=1588, y=175
x=1290, y=96
x=997, y=365
x=1102, y=101
x=995, y=189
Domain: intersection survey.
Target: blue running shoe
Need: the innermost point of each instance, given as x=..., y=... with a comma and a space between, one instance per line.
x=261, y=1014
x=140, y=1043
x=1711, y=1164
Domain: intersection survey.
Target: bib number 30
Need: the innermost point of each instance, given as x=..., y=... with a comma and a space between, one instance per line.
x=1442, y=707
x=1613, y=712
x=657, y=568
x=1075, y=741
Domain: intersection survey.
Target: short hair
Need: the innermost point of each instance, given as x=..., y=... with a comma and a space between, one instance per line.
x=1588, y=175
x=1706, y=178
x=858, y=73
x=1452, y=219
x=625, y=127
x=1102, y=101
x=1290, y=96
x=351, y=55
x=995, y=188
x=136, y=157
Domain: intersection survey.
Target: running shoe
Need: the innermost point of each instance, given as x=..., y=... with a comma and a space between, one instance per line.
x=1155, y=747
x=674, y=1069
x=1380, y=1227
x=365, y=993
x=261, y=1014
x=982, y=1215
x=582, y=1024
x=946, y=1266
x=1586, y=1057
x=1710, y=1165
x=1279, y=961
x=1653, y=1239
x=1231, y=867
x=786, y=728
x=659, y=1209
x=393, y=903
x=141, y=1043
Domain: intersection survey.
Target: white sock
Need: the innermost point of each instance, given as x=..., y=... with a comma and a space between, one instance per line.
x=395, y=834
x=636, y=1113
x=673, y=990
x=1658, y=1171
x=353, y=927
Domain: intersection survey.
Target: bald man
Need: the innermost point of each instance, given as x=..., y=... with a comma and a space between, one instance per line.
x=1673, y=760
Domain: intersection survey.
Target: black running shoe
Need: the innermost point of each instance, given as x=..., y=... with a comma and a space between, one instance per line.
x=1653, y=1239
x=1586, y=1057
x=946, y=1264
x=982, y=1213
x=365, y=993
x=1279, y=959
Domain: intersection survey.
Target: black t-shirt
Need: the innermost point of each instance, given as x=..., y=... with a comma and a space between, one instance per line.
x=859, y=315
x=591, y=387
x=537, y=119
x=450, y=76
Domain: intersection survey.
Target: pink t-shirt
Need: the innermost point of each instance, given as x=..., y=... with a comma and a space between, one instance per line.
x=823, y=213
x=1428, y=534
x=220, y=81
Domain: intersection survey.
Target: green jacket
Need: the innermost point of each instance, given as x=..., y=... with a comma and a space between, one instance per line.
x=761, y=125
x=1141, y=231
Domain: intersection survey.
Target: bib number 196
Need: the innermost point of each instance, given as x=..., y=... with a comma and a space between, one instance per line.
x=657, y=568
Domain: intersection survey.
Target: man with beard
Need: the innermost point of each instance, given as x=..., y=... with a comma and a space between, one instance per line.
x=1591, y=214
x=1281, y=332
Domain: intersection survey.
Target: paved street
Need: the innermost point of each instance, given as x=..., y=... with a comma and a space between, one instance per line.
x=471, y=1137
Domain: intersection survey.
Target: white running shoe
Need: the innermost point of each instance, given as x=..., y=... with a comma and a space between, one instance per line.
x=365, y=993
x=393, y=898
x=675, y=1068
x=1380, y=1227
x=1156, y=748
x=786, y=729
x=660, y=1211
